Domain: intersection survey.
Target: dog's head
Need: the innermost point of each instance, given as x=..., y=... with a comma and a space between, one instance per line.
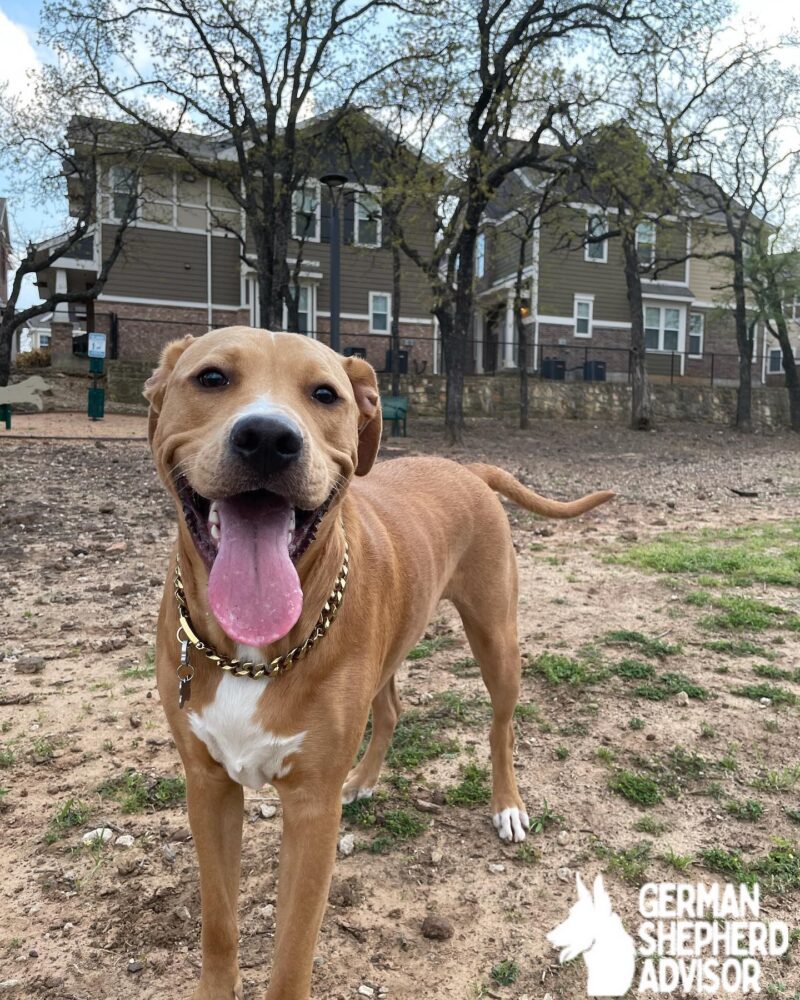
x=256, y=434
x=586, y=916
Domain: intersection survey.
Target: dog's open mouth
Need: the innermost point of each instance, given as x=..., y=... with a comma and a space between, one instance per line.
x=251, y=542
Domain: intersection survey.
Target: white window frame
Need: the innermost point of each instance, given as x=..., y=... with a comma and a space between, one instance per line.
x=650, y=223
x=388, y=297
x=311, y=309
x=662, y=318
x=583, y=300
x=480, y=255
x=373, y=193
x=773, y=351
x=593, y=246
x=112, y=192
x=701, y=334
x=307, y=184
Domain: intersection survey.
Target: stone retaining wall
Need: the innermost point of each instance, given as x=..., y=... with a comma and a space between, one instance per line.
x=498, y=396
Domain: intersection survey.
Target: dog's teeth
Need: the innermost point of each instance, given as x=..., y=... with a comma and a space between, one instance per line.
x=213, y=514
x=215, y=532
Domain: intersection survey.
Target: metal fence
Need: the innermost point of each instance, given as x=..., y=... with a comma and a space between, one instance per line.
x=421, y=354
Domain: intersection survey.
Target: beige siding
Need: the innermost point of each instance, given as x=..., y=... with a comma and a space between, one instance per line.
x=671, y=245
x=708, y=278
x=158, y=264
x=564, y=273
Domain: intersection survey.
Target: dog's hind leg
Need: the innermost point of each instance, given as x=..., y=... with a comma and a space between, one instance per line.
x=486, y=600
x=361, y=781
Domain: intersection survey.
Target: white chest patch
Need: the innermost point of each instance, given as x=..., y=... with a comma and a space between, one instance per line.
x=235, y=739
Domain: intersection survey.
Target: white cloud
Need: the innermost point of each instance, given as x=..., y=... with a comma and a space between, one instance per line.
x=17, y=54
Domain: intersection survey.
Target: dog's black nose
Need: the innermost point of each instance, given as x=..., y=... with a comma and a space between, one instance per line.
x=268, y=443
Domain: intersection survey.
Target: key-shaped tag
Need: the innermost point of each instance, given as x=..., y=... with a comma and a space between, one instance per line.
x=185, y=685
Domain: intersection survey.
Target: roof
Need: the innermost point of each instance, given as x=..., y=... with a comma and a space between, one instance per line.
x=665, y=290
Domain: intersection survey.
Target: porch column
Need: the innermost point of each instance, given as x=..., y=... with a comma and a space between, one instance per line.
x=61, y=311
x=508, y=333
x=479, y=322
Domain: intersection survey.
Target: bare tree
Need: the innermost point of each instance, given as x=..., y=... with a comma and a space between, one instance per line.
x=63, y=171
x=245, y=77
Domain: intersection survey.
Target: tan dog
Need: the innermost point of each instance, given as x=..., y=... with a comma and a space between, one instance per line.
x=258, y=437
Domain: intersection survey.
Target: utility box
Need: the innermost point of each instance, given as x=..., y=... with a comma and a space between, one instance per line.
x=554, y=368
x=594, y=371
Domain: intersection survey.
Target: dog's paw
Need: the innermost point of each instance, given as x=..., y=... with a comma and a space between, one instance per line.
x=511, y=825
x=353, y=794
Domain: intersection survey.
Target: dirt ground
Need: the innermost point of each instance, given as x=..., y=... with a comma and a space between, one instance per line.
x=85, y=530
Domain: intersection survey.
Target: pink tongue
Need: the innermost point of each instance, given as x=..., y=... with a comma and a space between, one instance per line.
x=253, y=589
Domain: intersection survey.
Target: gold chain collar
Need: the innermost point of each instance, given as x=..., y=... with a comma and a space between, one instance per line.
x=187, y=637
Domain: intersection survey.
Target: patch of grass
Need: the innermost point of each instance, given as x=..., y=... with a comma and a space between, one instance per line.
x=473, y=789
x=560, y=669
x=7, y=758
x=466, y=667
x=668, y=685
x=707, y=731
x=630, y=863
x=146, y=669
x=526, y=854
x=135, y=793
x=70, y=814
x=637, y=788
x=748, y=614
x=527, y=713
x=44, y=748
x=681, y=862
x=398, y=826
x=777, y=695
x=459, y=708
x=634, y=669
x=540, y=821
x=749, y=810
x=777, y=872
x=605, y=755
x=635, y=723
x=427, y=647
x=647, y=645
x=773, y=673
x=778, y=781
x=762, y=553
x=561, y=753
x=646, y=824
x=792, y=814
x=361, y=812
x=505, y=973
x=415, y=741
x=738, y=647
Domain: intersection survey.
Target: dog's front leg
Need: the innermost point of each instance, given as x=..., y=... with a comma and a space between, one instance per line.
x=216, y=808
x=311, y=816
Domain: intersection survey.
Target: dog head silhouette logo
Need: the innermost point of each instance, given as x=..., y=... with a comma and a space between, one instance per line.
x=593, y=930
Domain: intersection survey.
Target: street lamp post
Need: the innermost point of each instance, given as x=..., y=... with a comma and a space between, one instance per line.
x=335, y=183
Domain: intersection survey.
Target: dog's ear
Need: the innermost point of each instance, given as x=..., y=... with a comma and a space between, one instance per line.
x=365, y=387
x=584, y=896
x=156, y=386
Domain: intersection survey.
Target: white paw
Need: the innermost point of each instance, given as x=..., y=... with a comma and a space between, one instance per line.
x=511, y=825
x=354, y=794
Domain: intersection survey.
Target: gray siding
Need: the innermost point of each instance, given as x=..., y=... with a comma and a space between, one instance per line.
x=225, y=270
x=158, y=264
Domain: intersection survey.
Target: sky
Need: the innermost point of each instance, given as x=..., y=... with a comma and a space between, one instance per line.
x=19, y=53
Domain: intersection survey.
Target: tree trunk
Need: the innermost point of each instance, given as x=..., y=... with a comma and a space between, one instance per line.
x=454, y=350
x=744, y=340
x=788, y=360
x=7, y=330
x=641, y=401
x=522, y=340
x=395, y=332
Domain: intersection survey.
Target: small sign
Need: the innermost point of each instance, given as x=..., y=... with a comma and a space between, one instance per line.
x=97, y=345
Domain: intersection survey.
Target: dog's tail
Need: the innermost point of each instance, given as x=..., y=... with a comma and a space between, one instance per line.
x=503, y=482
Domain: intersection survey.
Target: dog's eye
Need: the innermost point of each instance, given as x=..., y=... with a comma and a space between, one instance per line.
x=325, y=394
x=212, y=378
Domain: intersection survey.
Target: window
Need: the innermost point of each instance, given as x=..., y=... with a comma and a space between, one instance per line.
x=696, y=331
x=791, y=308
x=775, y=366
x=480, y=255
x=646, y=242
x=368, y=220
x=662, y=328
x=124, y=192
x=305, y=310
x=379, y=312
x=305, y=212
x=584, y=306
x=44, y=340
x=596, y=226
